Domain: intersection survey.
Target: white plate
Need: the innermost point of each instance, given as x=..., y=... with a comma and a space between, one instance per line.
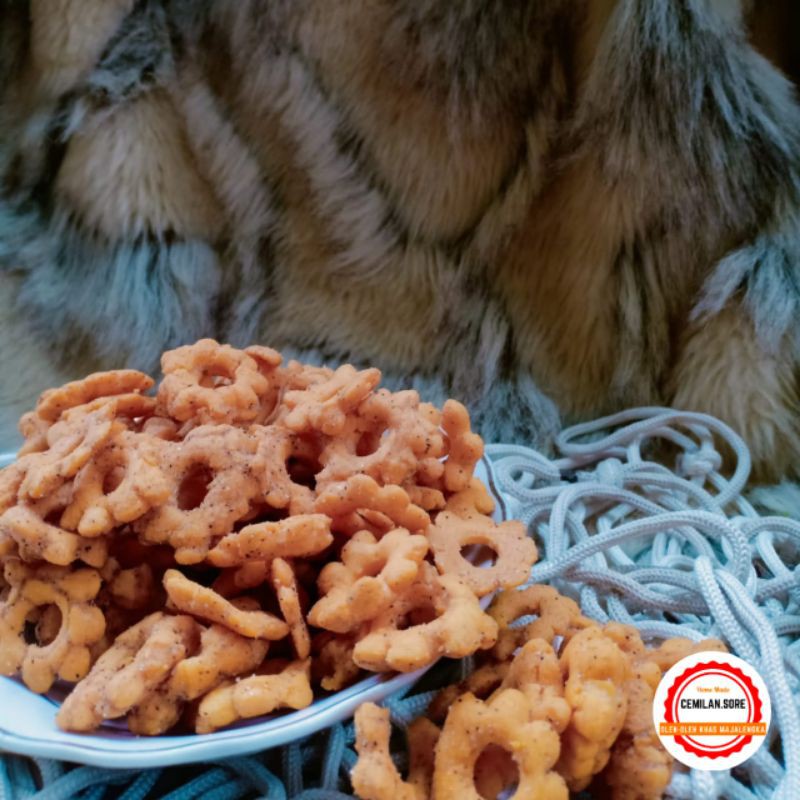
x=27, y=720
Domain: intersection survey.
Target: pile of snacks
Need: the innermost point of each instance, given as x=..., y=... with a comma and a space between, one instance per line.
x=558, y=703
x=216, y=550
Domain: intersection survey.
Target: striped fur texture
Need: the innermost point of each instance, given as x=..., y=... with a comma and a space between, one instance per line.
x=549, y=208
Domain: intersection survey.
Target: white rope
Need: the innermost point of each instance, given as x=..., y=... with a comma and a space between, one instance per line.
x=675, y=552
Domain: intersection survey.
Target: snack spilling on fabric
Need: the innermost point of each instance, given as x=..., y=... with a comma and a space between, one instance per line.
x=555, y=705
x=218, y=549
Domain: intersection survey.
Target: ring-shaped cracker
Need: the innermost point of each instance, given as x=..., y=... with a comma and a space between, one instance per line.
x=138, y=661
x=458, y=629
x=516, y=551
x=211, y=383
x=64, y=651
x=473, y=725
x=223, y=654
x=363, y=493
x=465, y=448
x=367, y=579
x=130, y=459
x=224, y=454
x=254, y=696
x=556, y=615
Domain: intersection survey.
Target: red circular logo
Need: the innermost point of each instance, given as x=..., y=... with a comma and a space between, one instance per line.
x=711, y=711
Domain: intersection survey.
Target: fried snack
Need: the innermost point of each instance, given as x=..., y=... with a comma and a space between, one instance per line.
x=556, y=616
x=129, y=462
x=362, y=493
x=404, y=431
x=211, y=383
x=294, y=537
x=325, y=406
x=254, y=696
x=516, y=551
x=131, y=589
x=333, y=666
x=671, y=651
x=235, y=580
x=596, y=672
x=200, y=601
x=62, y=651
x=473, y=725
x=465, y=448
x=54, y=402
x=375, y=776
x=535, y=671
x=72, y=443
x=222, y=654
x=367, y=579
x=38, y=540
x=285, y=585
x=459, y=627
x=473, y=501
x=425, y=497
x=482, y=683
x=133, y=667
x=639, y=768
x=275, y=448
x=212, y=485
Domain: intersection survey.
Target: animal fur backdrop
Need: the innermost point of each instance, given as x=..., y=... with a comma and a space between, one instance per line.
x=548, y=208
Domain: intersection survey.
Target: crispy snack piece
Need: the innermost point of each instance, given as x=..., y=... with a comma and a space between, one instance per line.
x=212, y=485
x=133, y=588
x=367, y=579
x=128, y=461
x=333, y=664
x=222, y=654
x=516, y=551
x=459, y=628
x=639, y=768
x=362, y=493
x=54, y=402
x=473, y=725
x=596, y=672
x=38, y=540
x=64, y=637
x=276, y=447
x=375, y=777
x=556, y=616
x=482, y=683
x=235, y=580
x=200, y=601
x=211, y=383
x=326, y=405
x=405, y=434
x=131, y=669
x=254, y=696
x=99, y=386
x=294, y=537
x=71, y=443
x=285, y=585
x=465, y=447
x=671, y=651
x=535, y=672
x=472, y=501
